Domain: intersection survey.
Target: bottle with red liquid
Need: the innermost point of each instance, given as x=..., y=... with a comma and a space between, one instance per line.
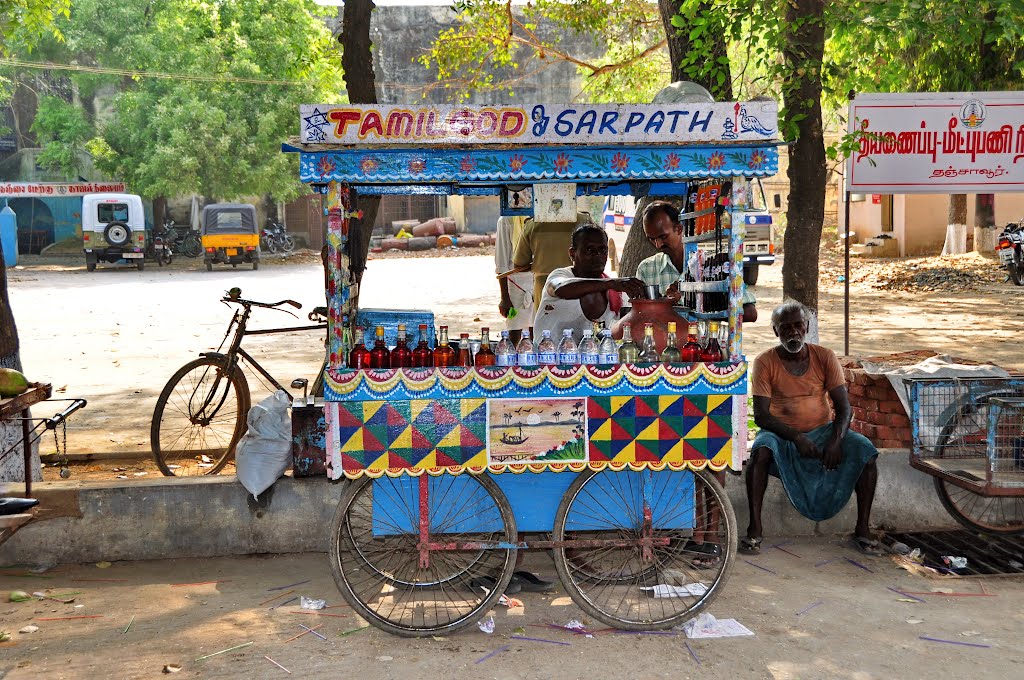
x=401, y=355
x=690, y=352
x=465, y=355
x=422, y=356
x=359, y=357
x=712, y=352
x=380, y=356
x=444, y=355
x=485, y=355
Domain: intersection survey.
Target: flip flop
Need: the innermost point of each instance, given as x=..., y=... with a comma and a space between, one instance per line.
x=866, y=546
x=750, y=546
x=531, y=583
x=489, y=583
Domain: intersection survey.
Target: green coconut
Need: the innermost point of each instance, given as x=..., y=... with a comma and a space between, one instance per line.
x=12, y=383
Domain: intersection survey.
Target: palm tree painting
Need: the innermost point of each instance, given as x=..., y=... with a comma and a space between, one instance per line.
x=537, y=430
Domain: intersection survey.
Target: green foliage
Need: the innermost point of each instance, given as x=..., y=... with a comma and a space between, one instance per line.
x=24, y=22
x=62, y=131
x=180, y=135
x=496, y=44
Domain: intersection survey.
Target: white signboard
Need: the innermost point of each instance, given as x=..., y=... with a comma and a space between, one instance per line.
x=50, y=189
x=949, y=143
x=540, y=124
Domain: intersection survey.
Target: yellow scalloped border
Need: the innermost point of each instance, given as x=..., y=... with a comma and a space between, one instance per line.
x=630, y=374
x=521, y=468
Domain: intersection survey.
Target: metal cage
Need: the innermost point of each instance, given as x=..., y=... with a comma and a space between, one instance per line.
x=969, y=432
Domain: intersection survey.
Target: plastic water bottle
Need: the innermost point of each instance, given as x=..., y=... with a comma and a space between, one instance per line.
x=547, y=355
x=589, y=353
x=567, y=354
x=608, y=349
x=526, y=354
x=505, y=353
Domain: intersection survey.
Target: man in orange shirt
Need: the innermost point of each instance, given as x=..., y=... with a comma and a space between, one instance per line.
x=796, y=388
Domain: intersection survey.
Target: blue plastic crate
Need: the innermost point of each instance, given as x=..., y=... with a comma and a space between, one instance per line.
x=390, y=318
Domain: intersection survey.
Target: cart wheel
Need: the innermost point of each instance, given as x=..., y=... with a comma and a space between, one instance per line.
x=375, y=561
x=965, y=436
x=199, y=418
x=609, y=582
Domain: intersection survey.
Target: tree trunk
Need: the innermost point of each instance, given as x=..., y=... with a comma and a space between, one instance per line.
x=357, y=62
x=805, y=45
x=24, y=104
x=679, y=47
x=985, y=231
x=637, y=248
x=956, y=226
x=159, y=211
x=10, y=356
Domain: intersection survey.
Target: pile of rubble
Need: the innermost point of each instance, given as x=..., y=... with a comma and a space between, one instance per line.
x=940, y=273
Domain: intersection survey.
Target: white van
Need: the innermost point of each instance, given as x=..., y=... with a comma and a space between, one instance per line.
x=113, y=229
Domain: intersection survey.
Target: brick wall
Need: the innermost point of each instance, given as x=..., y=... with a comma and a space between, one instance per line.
x=878, y=413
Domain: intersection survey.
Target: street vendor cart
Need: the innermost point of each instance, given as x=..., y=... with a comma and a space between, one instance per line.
x=449, y=478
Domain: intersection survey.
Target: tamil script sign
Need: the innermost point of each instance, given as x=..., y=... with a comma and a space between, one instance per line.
x=48, y=189
x=950, y=143
x=540, y=124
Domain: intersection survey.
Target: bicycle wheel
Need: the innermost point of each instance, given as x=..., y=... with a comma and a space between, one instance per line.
x=199, y=418
x=287, y=243
x=192, y=246
x=630, y=587
x=965, y=436
x=375, y=561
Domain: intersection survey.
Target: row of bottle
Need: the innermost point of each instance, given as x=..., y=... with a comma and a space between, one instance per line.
x=602, y=350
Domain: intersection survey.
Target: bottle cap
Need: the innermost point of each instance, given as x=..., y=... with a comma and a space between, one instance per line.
x=567, y=331
x=546, y=333
x=380, y=331
x=401, y=327
x=423, y=326
x=671, y=326
x=464, y=335
x=485, y=330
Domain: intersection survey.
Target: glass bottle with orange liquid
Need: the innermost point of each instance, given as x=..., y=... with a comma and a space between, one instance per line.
x=380, y=356
x=401, y=355
x=485, y=355
x=422, y=356
x=359, y=357
x=444, y=355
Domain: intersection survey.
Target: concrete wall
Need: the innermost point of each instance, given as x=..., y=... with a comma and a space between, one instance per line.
x=172, y=518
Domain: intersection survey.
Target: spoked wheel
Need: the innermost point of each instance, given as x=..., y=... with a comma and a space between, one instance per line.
x=192, y=247
x=288, y=244
x=1016, y=273
x=692, y=530
x=199, y=418
x=377, y=566
x=965, y=436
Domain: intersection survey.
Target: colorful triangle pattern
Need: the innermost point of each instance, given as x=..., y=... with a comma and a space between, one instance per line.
x=671, y=429
x=378, y=436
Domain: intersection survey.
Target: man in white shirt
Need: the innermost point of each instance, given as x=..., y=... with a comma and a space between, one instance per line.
x=517, y=288
x=575, y=297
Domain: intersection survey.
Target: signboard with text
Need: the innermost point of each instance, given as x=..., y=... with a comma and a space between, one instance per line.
x=540, y=124
x=950, y=143
x=56, y=190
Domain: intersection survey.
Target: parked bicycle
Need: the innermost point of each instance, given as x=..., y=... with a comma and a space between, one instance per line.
x=276, y=239
x=201, y=412
x=182, y=239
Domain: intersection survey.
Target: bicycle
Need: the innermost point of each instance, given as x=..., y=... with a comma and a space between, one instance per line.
x=201, y=413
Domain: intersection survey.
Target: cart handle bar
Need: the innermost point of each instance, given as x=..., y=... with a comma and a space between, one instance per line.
x=253, y=303
x=57, y=419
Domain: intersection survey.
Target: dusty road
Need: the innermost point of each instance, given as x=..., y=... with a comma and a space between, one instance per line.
x=116, y=335
x=833, y=621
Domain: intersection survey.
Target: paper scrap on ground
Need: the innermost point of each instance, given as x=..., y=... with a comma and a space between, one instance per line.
x=487, y=625
x=310, y=603
x=663, y=590
x=707, y=626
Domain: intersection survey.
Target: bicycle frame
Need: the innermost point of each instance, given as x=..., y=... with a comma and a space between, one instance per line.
x=235, y=350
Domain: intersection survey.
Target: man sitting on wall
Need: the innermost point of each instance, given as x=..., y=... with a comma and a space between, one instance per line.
x=796, y=388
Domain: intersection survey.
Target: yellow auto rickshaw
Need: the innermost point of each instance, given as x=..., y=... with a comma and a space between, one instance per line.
x=230, y=235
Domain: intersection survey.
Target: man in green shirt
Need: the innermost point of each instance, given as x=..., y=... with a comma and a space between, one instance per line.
x=544, y=247
x=664, y=231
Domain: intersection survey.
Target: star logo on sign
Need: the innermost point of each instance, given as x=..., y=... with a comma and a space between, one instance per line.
x=314, y=126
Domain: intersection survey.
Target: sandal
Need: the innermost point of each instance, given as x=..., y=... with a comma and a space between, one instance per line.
x=488, y=583
x=866, y=546
x=531, y=583
x=750, y=546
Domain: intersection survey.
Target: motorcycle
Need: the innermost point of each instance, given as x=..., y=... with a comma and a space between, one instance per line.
x=160, y=248
x=275, y=238
x=184, y=240
x=1010, y=249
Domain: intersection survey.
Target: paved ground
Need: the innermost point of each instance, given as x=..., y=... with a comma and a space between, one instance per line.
x=833, y=620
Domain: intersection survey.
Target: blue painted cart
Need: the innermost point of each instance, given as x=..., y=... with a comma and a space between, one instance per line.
x=455, y=470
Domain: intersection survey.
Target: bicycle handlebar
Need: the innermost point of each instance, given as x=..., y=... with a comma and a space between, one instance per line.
x=254, y=303
x=57, y=419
